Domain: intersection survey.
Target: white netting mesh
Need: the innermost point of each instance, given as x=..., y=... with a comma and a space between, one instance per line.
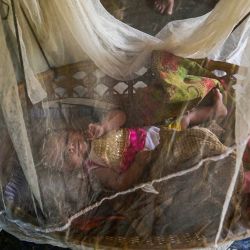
x=92, y=55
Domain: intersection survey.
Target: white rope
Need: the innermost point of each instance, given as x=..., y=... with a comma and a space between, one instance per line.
x=138, y=187
x=242, y=134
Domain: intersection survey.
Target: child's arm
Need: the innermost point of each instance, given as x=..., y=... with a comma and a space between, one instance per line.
x=122, y=181
x=113, y=120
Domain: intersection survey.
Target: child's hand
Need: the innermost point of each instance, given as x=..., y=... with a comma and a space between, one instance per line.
x=95, y=130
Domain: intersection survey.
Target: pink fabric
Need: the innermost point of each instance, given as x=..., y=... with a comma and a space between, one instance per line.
x=137, y=138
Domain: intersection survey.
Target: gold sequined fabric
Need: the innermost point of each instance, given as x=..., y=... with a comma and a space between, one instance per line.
x=110, y=147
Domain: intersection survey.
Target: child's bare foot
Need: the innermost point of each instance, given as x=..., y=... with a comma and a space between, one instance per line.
x=219, y=109
x=202, y=114
x=164, y=6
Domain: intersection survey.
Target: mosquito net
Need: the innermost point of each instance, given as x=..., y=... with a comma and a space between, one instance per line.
x=116, y=137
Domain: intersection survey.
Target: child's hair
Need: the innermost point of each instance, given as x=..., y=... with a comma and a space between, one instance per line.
x=53, y=151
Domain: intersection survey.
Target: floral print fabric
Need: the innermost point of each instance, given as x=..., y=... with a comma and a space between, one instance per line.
x=179, y=84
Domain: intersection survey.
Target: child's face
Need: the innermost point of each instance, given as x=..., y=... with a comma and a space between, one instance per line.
x=64, y=150
x=75, y=150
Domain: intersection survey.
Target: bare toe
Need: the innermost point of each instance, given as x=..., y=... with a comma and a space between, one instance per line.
x=170, y=7
x=217, y=95
x=160, y=6
x=220, y=109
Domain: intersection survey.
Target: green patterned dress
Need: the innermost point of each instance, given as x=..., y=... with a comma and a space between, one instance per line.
x=179, y=85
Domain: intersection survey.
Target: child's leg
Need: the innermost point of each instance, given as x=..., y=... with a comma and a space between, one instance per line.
x=203, y=114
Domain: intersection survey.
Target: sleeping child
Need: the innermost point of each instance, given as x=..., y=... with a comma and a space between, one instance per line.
x=117, y=150
x=110, y=148
x=112, y=153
